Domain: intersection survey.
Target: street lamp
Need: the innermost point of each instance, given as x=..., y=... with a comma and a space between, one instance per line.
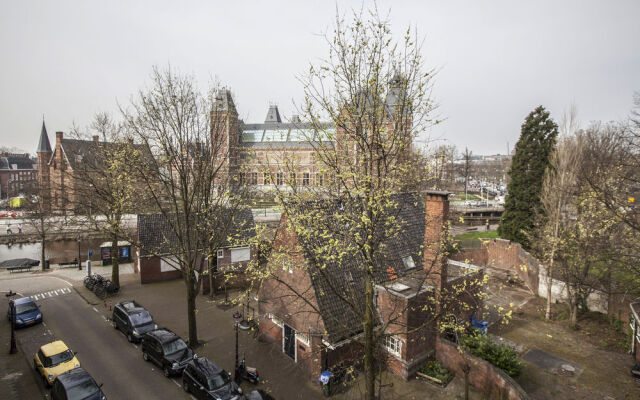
x=236, y=320
x=79, y=262
x=12, y=308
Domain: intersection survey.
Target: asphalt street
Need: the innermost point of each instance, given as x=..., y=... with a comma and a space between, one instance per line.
x=103, y=351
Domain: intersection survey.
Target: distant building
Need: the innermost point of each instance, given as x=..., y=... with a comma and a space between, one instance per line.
x=262, y=149
x=57, y=184
x=18, y=174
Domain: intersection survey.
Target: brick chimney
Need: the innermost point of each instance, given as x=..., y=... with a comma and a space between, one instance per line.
x=436, y=216
x=58, y=136
x=96, y=138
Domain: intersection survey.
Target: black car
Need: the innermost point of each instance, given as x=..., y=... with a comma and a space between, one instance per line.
x=76, y=384
x=132, y=320
x=205, y=380
x=167, y=350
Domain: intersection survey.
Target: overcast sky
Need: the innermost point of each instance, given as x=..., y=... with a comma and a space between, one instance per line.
x=497, y=60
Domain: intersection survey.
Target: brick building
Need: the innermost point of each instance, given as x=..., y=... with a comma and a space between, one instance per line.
x=154, y=257
x=307, y=311
x=262, y=149
x=18, y=174
x=58, y=184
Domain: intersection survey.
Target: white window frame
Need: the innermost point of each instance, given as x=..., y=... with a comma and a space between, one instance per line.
x=238, y=250
x=220, y=253
x=275, y=320
x=168, y=266
x=303, y=338
x=393, y=345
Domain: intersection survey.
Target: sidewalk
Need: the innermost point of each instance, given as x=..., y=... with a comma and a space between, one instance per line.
x=281, y=377
x=17, y=379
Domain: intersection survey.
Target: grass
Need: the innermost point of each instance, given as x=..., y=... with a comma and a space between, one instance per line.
x=470, y=197
x=479, y=235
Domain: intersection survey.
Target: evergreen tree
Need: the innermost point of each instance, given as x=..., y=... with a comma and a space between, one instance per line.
x=522, y=204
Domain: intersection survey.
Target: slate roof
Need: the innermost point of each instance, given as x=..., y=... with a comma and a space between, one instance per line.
x=155, y=236
x=43, y=145
x=89, y=151
x=19, y=162
x=334, y=279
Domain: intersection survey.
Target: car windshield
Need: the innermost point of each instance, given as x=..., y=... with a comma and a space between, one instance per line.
x=26, y=308
x=174, y=346
x=82, y=390
x=217, y=381
x=141, y=318
x=58, y=358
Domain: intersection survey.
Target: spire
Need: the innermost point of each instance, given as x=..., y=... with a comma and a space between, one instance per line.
x=223, y=102
x=273, y=115
x=44, y=146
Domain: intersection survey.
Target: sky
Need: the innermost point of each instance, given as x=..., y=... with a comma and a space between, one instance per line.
x=496, y=60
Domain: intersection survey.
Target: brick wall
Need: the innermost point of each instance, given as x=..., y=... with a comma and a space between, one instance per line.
x=502, y=254
x=150, y=271
x=491, y=381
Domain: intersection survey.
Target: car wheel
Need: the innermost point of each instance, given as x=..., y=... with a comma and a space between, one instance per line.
x=130, y=337
x=166, y=371
x=145, y=356
x=185, y=386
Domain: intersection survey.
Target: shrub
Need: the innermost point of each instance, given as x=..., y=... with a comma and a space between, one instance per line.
x=436, y=370
x=499, y=355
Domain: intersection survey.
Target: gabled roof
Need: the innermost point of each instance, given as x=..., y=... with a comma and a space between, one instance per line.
x=155, y=236
x=43, y=145
x=89, y=151
x=333, y=278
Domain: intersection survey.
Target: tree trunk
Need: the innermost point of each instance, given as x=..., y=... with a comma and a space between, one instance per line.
x=573, y=313
x=547, y=314
x=369, y=369
x=115, y=260
x=42, y=251
x=191, y=311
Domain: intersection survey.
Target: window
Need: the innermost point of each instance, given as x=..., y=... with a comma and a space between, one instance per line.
x=319, y=179
x=266, y=178
x=305, y=179
x=292, y=179
x=408, y=262
x=279, y=178
x=393, y=345
x=220, y=253
x=240, y=254
x=253, y=178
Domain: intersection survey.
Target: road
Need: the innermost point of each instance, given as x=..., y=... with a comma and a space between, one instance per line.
x=104, y=352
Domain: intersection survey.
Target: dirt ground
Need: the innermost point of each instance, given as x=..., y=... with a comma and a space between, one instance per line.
x=596, y=346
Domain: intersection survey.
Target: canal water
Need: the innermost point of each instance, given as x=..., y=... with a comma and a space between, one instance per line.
x=56, y=251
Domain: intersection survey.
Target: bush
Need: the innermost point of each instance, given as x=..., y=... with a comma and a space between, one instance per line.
x=436, y=370
x=499, y=355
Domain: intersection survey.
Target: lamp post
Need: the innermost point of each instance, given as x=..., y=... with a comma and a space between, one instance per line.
x=79, y=262
x=12, y=306
x=236, y=320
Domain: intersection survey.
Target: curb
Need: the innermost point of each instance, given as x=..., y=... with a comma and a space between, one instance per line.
x=84, y=297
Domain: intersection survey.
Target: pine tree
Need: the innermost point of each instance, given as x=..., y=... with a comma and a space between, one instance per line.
x=522, y=204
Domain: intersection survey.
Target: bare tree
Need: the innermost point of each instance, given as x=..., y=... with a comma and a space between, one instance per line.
x=189, y=180
x=106, y=186
x=376, y=94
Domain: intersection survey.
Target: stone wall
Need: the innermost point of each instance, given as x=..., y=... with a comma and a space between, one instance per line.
x=491, y=381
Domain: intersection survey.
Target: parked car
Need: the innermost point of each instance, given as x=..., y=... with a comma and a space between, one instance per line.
x=132, y=320
x=54, y=359
x=259, y=395
x=76, y=384
x=27, y=312
x=167, y=350
x=205, y=380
